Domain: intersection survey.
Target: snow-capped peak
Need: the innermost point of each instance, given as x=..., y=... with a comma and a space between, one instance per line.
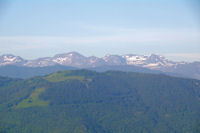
x=151, y=61
x=7, y=59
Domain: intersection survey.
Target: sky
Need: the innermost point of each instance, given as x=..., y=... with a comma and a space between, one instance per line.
x=41, y=28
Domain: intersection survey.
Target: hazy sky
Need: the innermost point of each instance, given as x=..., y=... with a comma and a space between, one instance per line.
x=41, y=28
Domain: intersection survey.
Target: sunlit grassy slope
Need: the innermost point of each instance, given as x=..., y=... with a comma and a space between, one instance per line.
x=63, y=76
x=33, y=100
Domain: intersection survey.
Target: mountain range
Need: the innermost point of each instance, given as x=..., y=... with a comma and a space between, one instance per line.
x=152, y=62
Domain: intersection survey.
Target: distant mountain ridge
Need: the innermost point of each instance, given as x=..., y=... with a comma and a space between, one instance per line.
x=74, y=59
x=77, y=60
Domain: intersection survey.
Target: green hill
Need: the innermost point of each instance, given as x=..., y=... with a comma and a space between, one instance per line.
x=82, y=101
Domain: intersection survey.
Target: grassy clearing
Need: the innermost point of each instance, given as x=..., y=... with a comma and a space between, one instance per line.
x=33, y=100
x=58, y=77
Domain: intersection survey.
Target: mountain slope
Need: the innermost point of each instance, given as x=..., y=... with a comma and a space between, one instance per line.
x=28, y=72
x=110, y=102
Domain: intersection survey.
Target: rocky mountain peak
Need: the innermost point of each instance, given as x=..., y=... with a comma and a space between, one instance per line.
x=7, y=59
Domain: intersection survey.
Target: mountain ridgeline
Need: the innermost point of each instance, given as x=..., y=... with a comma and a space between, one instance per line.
x=128, y=62
x=82, y=101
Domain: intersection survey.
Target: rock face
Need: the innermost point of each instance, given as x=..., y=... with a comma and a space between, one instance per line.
x=74, y=59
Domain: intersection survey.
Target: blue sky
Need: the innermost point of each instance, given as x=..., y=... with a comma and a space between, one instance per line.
x=40, y=28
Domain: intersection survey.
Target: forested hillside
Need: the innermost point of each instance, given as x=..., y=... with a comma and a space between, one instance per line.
x=82, y=101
